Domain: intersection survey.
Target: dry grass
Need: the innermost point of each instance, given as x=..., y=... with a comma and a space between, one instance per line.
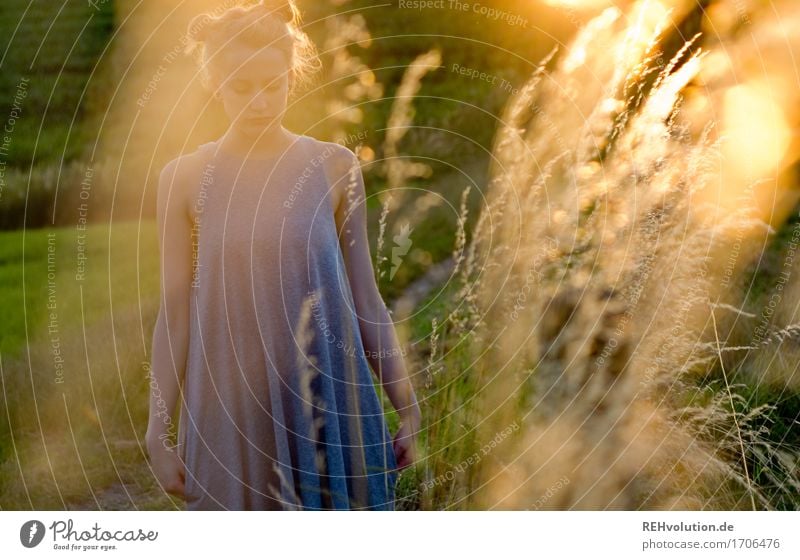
x=599, y=296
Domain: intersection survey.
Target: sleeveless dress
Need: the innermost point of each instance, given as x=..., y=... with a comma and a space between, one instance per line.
x=280, y=408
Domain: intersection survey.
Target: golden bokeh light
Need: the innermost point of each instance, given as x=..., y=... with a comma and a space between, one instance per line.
x=756, y=128
x=579, y=4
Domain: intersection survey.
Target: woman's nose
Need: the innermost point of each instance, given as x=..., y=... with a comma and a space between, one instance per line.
x=260, y=101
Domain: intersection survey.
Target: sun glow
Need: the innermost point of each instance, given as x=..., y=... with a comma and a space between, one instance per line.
x=579, y=4
x=756, y=127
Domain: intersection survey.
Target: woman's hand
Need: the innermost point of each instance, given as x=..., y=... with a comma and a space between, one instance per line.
x=405, y=441
x=168, y=468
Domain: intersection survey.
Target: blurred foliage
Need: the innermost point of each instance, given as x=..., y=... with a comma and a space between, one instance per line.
x=57, y=47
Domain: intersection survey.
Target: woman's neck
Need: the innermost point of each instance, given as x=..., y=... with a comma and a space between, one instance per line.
x=266, y=145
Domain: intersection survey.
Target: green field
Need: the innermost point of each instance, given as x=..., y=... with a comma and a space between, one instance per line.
x=56, y=47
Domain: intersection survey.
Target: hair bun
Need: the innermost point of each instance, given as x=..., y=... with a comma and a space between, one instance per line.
x=285, y=10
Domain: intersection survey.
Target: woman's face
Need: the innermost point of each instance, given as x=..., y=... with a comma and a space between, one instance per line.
x=254, y=91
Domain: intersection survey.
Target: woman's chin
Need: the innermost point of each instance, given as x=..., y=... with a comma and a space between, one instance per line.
x=255, y=128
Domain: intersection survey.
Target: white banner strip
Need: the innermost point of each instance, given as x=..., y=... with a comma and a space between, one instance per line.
x=398, y=535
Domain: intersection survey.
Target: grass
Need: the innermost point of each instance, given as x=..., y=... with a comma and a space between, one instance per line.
x=64, y=391
x=55, y=45
x=29, y=258
x=599, y=341
x=576, y=313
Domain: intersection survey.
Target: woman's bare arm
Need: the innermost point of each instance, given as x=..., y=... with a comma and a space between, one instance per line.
x=378, y=334
x=170, y=335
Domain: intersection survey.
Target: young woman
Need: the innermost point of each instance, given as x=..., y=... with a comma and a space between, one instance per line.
x=270, y=317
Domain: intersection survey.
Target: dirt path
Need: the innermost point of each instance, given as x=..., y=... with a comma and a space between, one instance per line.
x=136, y=488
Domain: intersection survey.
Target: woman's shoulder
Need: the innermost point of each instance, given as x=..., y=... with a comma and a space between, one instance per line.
x=337, y=158
x=339, y=163
x=180, y=173
x=189, y=164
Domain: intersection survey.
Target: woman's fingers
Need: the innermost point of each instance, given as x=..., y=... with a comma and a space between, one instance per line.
x=403, y=444
x=403, y=455
x=178, y=489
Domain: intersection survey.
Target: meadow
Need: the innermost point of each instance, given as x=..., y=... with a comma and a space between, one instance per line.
x=600, y=297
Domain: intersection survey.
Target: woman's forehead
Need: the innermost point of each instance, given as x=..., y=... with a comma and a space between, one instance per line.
x=251, y=63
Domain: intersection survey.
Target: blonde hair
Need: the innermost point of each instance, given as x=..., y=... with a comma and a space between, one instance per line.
x=266, y=23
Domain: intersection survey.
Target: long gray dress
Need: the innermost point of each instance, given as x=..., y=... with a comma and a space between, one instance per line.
x=279, y=408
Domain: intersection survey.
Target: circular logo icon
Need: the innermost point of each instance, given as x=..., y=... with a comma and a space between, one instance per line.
x=31, y=533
